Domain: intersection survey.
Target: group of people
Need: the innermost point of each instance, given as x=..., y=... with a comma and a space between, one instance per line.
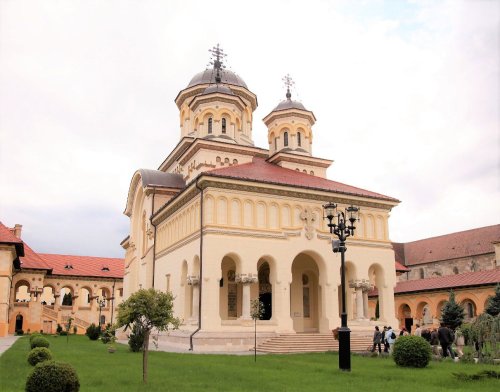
x=442, y=336
x=387, y=337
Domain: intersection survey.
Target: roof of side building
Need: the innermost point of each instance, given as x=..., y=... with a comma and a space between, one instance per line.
x=450, y=246
x=101, y=267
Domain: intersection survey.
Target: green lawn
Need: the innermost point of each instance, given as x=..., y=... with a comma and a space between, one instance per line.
x=100, y=371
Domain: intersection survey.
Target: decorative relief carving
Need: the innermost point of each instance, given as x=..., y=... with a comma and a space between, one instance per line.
x=309, y=218
x=363, y=284
x=246, y=278
x=150, y=232
x=193, y=280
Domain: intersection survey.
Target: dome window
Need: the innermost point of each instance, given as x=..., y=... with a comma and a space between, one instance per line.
x=223, y=125
x=210, y=125
x=285, y=139
x=299, y=139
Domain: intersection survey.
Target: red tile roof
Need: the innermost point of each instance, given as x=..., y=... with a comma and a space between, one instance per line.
x=7, y=237
x=480, y=278
x=85, y=265
x=32, y=260
x=450, y=246
x=261, y=171
x=400, y=267
x=467, y=279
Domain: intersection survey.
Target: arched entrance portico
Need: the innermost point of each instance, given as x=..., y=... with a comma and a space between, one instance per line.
x=305, y=298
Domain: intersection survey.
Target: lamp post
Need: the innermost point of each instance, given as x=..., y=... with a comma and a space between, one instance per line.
x=342, y=225
x=101, y=303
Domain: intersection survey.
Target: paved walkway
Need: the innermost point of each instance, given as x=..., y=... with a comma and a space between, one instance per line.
x=6, y=342
x=163, y=346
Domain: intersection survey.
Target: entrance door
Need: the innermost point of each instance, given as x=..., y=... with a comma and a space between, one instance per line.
x=47, y=327
x=19, y=322
x=408, y=323
x=266, y=299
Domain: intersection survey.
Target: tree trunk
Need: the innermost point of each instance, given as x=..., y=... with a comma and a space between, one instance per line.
x=145, y=357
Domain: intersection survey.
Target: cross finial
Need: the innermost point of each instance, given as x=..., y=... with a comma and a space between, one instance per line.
x=217, y=56
x=287, y=79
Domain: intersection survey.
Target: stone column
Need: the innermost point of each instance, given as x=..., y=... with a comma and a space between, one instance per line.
x=246, y=280
x=358, y=286
x=194, y=281
x=366, y=287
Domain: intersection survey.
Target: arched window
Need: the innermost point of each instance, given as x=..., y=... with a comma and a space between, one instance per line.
x=455, y=270
x=223, y=125
x=299, y=139
x=210, y=125
x=422, y=273
x=285, y=139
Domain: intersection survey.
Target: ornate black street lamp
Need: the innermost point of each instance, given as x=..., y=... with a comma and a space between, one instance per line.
x=342, y=225
x=101, y=303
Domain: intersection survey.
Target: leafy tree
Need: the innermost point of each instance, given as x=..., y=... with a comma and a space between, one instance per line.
x=452, y=313
x=493, y=307
x=148, y=309
x=257, y=309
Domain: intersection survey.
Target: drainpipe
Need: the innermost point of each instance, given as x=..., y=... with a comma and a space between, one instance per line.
x=154, y=239
x=113, y=301
x=201, y=268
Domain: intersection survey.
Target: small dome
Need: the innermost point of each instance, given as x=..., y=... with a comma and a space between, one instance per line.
x=289, y=104
x=208, y=77
x=217, y=88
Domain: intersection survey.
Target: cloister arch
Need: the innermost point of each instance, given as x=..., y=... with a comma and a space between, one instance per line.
x=305, y=291
x=376, y=276
x=22, y=291
x=68, y=293
x=230, y=292
x=48, y=295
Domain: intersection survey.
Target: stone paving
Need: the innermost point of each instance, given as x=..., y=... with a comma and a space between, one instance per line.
x=6, y=342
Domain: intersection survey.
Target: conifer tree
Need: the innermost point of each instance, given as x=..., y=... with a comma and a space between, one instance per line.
x=452, y=313
x=493, y=307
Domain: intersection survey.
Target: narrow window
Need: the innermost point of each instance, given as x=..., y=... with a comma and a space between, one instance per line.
x=168, y=283
x=275, y=143
x=299, y=139
x=210, y=125
x=285, y=139
x=223, y=125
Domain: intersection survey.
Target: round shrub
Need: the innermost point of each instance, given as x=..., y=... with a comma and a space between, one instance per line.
x=93, y=332
x=39, y=341
x=34, y=335
x=39, y=354
x=412, y=351
x=50, y=376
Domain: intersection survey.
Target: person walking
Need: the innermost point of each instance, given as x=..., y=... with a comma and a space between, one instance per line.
x=377, y=339
x=384, y=340
x=435, y=341
x=418, y=331
x=390, y=336
x=445, y=339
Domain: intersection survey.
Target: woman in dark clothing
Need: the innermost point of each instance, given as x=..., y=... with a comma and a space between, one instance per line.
x=377, y=339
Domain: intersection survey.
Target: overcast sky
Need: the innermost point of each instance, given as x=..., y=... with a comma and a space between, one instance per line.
x=406, y=95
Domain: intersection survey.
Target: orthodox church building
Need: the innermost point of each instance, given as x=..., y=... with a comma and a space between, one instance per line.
x=222, y=222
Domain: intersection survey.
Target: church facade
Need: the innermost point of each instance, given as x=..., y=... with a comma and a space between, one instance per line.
x=222, y=222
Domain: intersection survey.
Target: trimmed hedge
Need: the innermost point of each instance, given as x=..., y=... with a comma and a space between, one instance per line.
x=411, y=351
x=51, y=376
x=93, y=332
x=34, y=335
x=39, y=354
x=39, y=341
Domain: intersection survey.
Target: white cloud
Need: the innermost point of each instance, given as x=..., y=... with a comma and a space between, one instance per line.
x=406, y=96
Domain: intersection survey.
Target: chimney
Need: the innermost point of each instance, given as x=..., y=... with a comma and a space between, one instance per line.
x=17, y=230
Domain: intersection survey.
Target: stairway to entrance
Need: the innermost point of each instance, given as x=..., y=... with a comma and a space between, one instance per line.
x=311, y=342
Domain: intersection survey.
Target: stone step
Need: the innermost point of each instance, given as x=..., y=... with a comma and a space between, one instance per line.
x=310, y=342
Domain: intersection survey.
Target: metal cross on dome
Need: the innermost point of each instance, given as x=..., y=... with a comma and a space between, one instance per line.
x=287, y=79
x=217, y=57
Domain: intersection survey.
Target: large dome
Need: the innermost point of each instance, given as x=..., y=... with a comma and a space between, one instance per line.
x=208, y=76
